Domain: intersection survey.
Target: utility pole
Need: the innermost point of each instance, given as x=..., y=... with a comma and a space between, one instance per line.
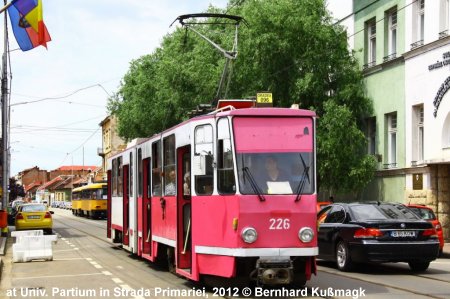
x=4, y=98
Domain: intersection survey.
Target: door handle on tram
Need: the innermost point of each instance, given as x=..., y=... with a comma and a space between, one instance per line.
x=162, y=201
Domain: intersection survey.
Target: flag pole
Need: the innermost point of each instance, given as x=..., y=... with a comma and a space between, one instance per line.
x=4, y=99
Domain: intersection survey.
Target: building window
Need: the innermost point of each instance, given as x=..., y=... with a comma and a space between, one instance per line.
x=371, y=133
x=443, y=18
x=371, y=43
x=392, y=33
x=392, y=140
x=419, y=24
x=417, y=135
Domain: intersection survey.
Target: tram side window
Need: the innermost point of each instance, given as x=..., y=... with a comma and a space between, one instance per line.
x=156, y=168
x=169, y=165
x=225, y=168
x=119, y=177
x=130, y=189
x=204, y=175
x=139, y=174
x=113, y=177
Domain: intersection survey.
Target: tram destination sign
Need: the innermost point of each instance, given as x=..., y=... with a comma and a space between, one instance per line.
x=264, y=99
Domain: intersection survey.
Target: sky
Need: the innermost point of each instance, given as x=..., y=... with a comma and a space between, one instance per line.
x=92, y=44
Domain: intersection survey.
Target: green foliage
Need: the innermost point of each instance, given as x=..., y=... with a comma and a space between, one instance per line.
x=290, y=48
x=340, y=151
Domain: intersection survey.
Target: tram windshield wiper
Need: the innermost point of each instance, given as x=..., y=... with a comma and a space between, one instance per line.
x=301, y=184
x=255, y=187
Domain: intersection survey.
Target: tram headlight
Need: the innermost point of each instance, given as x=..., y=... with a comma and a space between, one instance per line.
x=306, y=234
x=249, y=235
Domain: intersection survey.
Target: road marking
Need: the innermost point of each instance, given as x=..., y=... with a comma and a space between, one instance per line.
x=62, y=250
x=88, y=259
x=107, y=273
x=119, y=267
x=69, y=259
x=117, y=280
x=56, y=276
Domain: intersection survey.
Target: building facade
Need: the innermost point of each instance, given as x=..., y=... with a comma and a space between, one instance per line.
x=404, y=50
x=112, y=143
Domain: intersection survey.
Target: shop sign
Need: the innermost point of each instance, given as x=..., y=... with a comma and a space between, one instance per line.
x=440, y=94
x=417, y=181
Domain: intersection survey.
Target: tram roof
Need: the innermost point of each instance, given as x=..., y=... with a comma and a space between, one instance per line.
x=90, y=186
x=268, y=112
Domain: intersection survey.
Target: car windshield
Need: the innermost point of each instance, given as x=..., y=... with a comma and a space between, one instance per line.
x=275, y=173
x=34, y=208
x=382, y=212
x=17, y=203
x=424, y=213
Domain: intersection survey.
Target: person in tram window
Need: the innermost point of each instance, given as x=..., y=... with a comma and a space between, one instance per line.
x=187, y=184
x=274, y=179
x=170, y=184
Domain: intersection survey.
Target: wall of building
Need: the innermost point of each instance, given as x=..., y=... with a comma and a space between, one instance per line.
x=34, y=175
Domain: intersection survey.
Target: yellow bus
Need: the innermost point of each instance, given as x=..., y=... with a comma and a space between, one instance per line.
x=90, y=200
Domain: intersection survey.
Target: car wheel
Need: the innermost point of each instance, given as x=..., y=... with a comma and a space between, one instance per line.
x=343, y=260
x=419, y=266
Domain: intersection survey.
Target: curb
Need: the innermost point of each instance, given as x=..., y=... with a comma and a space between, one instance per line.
x=2, y=245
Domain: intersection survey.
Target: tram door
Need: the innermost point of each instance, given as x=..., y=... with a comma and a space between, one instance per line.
x=108, y=207
x=146, y=205
x=184, y=225
x=126, y=205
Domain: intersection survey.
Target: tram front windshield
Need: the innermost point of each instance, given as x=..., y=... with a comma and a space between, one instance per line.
x=275, y=173
x=274, y=155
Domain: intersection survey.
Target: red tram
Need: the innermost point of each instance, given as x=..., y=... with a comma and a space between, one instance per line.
x=230, y=194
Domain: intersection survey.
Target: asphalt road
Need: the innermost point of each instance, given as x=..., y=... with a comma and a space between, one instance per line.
x=86, y=264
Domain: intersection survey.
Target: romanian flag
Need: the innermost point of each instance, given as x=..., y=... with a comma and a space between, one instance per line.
x=27, y=24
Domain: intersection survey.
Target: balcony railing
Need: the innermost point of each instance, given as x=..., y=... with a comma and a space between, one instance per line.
x=369, y=65
x=390, y=165
x=100, y=151
x=389, y=57
x=443, y=34
x=417, y=44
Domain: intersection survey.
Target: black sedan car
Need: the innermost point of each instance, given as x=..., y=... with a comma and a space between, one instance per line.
x=375, y=232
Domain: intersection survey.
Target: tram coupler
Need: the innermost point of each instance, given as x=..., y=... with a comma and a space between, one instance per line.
x=274, y=271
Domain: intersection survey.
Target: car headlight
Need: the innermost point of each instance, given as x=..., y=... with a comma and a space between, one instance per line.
x=306, y=234
x=249, y=235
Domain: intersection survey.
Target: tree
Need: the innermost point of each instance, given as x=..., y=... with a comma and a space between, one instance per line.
x=15, y=190
x=290, y=48
x=340, y=149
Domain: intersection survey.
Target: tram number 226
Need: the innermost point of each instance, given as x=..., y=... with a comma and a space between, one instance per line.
x=279, y=223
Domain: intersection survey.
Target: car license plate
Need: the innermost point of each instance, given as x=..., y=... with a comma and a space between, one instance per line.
x=403, y=233
x=34, y=217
